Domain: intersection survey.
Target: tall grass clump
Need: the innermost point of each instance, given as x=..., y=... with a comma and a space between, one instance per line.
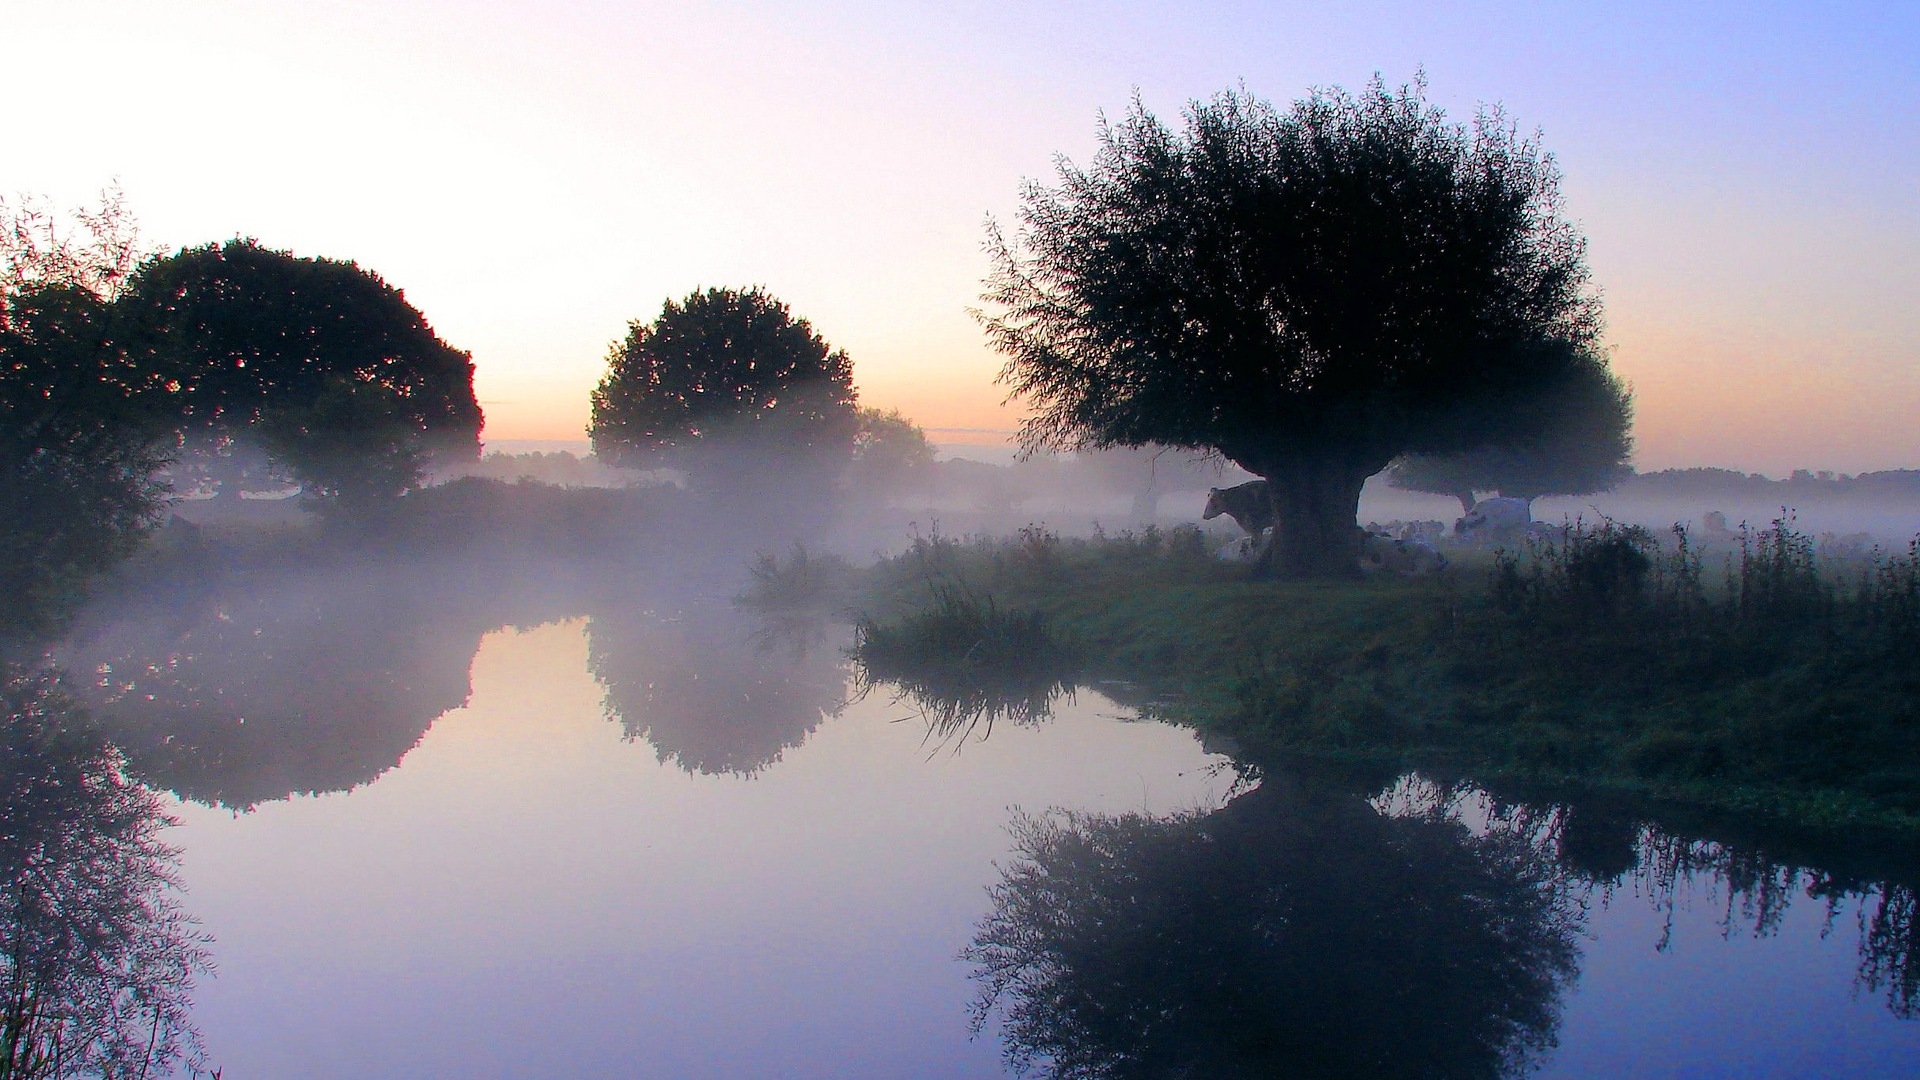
x=802, y=580
x=1617, y=583
x=966, y=661
x=1038, y=566
x=1789, y=673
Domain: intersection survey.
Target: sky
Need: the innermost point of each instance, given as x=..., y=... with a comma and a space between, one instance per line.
x=536, y=175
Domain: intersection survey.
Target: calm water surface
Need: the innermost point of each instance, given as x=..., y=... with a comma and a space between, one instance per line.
x=527, y=894
x=650, y=843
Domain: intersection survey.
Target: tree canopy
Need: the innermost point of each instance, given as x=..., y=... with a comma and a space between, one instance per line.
x=1581, y=442
x=1311, y=293
x=80, y=440
x=724, y=375
x=243, y=333
x=890, y=453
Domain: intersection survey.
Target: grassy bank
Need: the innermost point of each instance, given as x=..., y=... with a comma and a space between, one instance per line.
x=1764, y=683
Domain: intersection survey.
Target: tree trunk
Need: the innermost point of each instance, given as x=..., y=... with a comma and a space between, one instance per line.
x=1316, y=504
x=1467, y=502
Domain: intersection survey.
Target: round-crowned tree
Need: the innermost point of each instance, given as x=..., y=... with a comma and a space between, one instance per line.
x=891, y=454
x=1311, y=293
x=730, y=387
x=245, y=334
x=1580, y=442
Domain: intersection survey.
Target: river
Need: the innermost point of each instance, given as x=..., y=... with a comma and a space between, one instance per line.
x=659, y=840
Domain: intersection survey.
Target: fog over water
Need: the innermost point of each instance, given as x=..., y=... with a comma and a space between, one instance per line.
x=799, y=923
x=1245, y=695
x=446, y=820
x=545, y=799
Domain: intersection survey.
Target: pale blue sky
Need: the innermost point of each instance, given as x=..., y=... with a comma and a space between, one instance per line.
x=534, y=175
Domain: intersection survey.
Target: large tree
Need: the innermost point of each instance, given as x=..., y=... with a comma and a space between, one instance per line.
x=78, y=452
x=726, y=384
x=890, y=454
x=79, y=440
x=1312, y=293
x=252, y=339
x=1577, y=441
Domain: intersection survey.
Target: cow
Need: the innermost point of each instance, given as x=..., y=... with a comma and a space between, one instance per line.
x=1379, y=552
x=1541, y=532
x=1495, y=519
x=1248, y=505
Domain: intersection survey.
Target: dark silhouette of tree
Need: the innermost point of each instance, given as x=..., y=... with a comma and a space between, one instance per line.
x=38, y=250
x=353, y=442
x=1292, y=933
x=248, y=336
x=705, y=689
x=79, y=445
x=97, y=961
x=283, y=682
x=79, y=448
x=1580, y=443
x=730, y=387
x=891, y=455
x=1310, y=293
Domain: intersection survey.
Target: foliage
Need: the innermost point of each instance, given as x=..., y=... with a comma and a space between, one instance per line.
x=97, y=961
x=890, y=454
x=804, y=580
x=721, y=382
x=36, y=252
x=78, y=452
x=966, y=661
x=1579, y=442
x=1199, y=944
x=1311, y=293
x=352, y=443
x=78, y=443
x=246, y=336
x=1782, y=692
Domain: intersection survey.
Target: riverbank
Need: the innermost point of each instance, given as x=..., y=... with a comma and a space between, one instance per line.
x=1781, y=689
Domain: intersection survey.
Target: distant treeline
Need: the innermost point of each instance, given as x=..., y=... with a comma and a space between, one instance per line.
x=1889, y=483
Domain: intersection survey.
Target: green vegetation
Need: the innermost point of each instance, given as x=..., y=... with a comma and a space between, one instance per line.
x=305, y=366
x=966, y=661
x=1782, y=687
x=719, y=375
x=1309, y=292
x=1580, y=442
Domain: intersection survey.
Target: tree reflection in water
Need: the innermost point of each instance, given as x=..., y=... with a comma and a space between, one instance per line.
x=711, y=690
x=264, y=686
x=1297, y=931
x=96, y=959
x=1757, y=891
x=1754, y=881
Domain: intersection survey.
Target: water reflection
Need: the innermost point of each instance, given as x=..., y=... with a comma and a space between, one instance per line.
x=96, y=959
x=964, y=675
x=1620, y=859
x=1756, y=891
x=711, y=689
x=1296, y=931
x=954, y=713
x=256, y=688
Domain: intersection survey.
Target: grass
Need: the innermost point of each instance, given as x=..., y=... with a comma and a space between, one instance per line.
x=967, y=662
x=1780, y=685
